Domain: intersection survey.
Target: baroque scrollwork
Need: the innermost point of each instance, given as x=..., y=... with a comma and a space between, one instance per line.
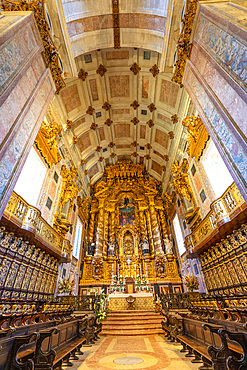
x=197, y=135
x=184, y=44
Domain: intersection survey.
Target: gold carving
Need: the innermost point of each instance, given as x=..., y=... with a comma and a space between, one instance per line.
x=135, y=104
x=135, y=68
x=124, y=248
x=135, y=120
x=106, y=106
x=197, y=135
x=90, y=110
x=93, y=126
x=150, y=123
x=184, y=44
x=83, y=208
x=68, y=124
x=174, y=119
x=135, y=143
x=51, y=56
x=152, y=107
x=116, y=23
x=82, y=74
x=74, y=140
x=111, y=144
x=154, y=70
x=101, y=70
x=98, y=148
x=108, y=122
x=68, y=194
x=46, y=142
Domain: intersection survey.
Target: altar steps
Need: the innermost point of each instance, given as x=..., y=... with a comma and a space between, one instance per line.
x=132, y=323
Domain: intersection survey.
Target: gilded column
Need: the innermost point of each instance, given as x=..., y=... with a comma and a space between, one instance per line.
x=149, y=230
x=100, y=229
x=143, y=224
x=112, y=227
x=155, y=226
x=163, y=223
x=106, y=230
x=91, y=227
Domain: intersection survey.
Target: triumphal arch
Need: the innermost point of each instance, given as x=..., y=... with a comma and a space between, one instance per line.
x=127, y=232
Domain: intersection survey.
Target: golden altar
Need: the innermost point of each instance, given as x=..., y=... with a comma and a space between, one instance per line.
x=127, y=232
x=143, y=301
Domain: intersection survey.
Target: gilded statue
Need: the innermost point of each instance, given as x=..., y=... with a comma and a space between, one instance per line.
x=160, y=265
x=181, y=179
x=98, y=266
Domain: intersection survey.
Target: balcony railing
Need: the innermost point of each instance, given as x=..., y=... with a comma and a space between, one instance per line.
x=222, y=210
x=29, y=218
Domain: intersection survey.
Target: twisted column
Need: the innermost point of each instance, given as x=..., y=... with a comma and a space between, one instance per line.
x=100, y=229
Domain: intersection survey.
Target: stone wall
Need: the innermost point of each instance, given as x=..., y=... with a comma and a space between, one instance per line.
x=215, y=78
x=26, y=89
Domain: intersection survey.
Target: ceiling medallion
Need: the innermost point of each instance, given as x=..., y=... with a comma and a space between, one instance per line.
x=111, y=144
x=135, y=104
x=82, y=162
x=106, y=106
x=98, y=149
x=171, y=135
x=135, y=68
x=166, y=158
x=101, y=70
x=147, y=156
x=174, y=118
x=134, y=154
x=68, y=124
x=150, y=123
x=90, y=110
x=154, y=70
x=135, y=120
x=74, y=140
x=108, y=122
x=148, y=146
x=151, y=107
x=86, y=171
x=93, y=126
x=135, y=143
x=112, y=155
x=82, y=74
x=100, y=159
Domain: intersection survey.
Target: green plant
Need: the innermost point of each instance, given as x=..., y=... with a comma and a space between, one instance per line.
x=103, y=309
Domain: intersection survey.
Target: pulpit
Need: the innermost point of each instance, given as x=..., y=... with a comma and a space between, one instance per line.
x=130, y=285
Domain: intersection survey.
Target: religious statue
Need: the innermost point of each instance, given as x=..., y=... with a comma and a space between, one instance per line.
x=168, y=245
x=90, y=248
x=111, y=247
x=128, y=247
x=145, y=246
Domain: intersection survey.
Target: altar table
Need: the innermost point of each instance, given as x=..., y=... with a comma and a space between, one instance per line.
x=144, y=301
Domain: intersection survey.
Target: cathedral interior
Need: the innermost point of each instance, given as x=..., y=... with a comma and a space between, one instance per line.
x=123, y=184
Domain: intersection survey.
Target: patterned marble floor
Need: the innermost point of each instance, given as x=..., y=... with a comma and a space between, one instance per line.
x=155, y=352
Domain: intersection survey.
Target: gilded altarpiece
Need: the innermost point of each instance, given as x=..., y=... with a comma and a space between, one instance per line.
x=127, y=231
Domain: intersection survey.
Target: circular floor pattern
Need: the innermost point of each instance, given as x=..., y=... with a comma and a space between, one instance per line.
x=128, y=360
x=111, y=361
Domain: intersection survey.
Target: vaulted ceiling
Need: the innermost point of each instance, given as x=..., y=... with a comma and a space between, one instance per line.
x=122, y=102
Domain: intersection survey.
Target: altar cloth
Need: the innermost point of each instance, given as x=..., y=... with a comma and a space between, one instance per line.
x=144, y=301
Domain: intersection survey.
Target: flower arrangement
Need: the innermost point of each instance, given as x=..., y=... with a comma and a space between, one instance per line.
x=103, y=309
x=158, y=305
x=66, y=285
x=191, y=282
